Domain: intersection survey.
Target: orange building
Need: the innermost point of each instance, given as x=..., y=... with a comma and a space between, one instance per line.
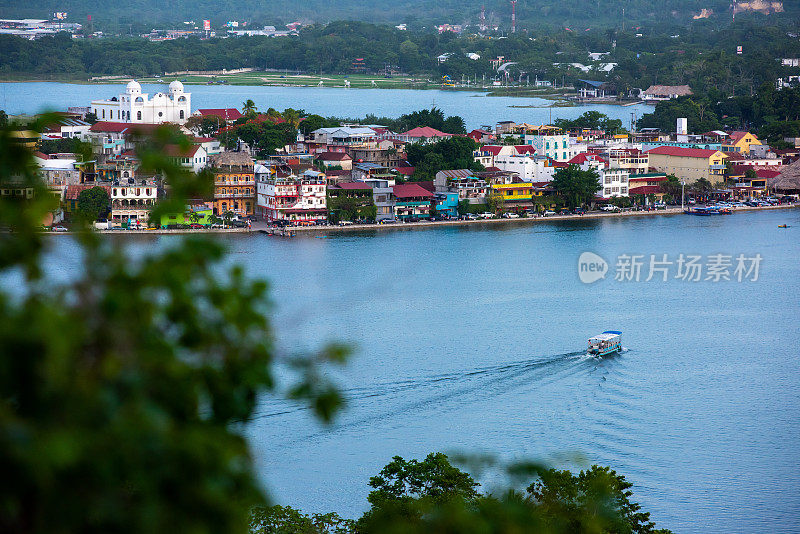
x=234, y=183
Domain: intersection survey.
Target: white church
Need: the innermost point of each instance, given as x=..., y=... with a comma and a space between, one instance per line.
x=136, y=107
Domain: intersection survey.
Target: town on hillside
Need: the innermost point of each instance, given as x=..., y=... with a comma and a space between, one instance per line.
x=314, y=172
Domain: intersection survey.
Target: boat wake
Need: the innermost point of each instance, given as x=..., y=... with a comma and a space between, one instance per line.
x=419, y=393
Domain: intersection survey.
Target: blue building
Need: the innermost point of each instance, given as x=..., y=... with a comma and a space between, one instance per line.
x=447, y=204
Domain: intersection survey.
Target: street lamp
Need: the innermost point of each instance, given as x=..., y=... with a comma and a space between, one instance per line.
x=683, y=184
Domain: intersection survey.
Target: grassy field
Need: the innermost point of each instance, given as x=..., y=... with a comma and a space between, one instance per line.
x=302, y=80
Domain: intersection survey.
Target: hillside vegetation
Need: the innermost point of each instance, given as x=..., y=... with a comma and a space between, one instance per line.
x=138, y=14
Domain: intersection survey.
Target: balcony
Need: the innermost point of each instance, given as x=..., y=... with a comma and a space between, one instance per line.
x=234, y=195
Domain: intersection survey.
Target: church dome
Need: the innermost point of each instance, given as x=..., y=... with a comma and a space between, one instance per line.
x=176, y=87
x=134, y=87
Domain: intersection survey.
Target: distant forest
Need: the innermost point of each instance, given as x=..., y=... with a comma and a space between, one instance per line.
x=700, y=55
x=136, y=15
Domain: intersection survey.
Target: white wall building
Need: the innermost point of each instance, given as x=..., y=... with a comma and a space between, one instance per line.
x=136, y=107
x=552, y=146
x=300, y=199
x=614, y=182
x=132, y=202
x=529, y=168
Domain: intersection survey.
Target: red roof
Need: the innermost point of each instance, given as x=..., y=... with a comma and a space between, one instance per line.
x=333, y=156
x=737, y=136
x=427, y=185
x=735, y=156
x=204, y=139
x=493, y=169
x=176, y=152
x=411, y=190
x=230, y=114
x=405, y=171
x=41, y=155
x=426, y=131
x=336, y=172
x=525, y=149
x=682, y=152
x=73, y=191
x=491, y=149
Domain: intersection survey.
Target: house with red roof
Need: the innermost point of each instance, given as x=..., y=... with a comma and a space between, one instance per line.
x=423, y=134
x=690, y=164
x=227, y=114
x=739, y=141
x=341, y=160
x=481, y=136
x=193, y=157
x=412, y=201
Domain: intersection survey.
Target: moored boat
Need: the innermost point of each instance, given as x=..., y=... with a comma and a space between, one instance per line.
x=606, y=343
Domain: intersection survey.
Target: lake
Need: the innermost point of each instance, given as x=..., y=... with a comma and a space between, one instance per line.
x=472, y=339
x=476, y=108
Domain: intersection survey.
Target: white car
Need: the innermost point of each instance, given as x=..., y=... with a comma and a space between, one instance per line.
x=511, y=215
x=609, y=207
x=60, y=229
x=486, y=215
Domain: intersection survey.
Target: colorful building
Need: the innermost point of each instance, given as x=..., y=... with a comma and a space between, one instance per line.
x=690, y=164
x=740, y=142
x=234, y=183
x=298, y=199
x=412, y=201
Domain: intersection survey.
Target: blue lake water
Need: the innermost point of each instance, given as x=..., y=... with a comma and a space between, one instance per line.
x=476, y=108
x=471, y=340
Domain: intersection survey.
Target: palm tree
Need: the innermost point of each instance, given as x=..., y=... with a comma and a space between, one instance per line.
x=249, y=107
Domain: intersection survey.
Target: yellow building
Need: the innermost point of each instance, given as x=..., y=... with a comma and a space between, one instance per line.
x=689, y=164
x=517, y=195
x=740, y=142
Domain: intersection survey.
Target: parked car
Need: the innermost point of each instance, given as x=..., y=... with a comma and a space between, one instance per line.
x=196, y=226
x=345, y=223
x=579, y=211
x=60, y=229
x=471, y=217
x=548, y=213
x=486, y=215
x=511, y=215
x=609, y=207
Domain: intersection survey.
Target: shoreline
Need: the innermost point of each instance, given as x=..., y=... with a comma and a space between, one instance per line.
x=527, y=220
x=292, y=231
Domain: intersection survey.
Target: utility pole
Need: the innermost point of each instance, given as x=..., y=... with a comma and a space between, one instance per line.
x=513, y=16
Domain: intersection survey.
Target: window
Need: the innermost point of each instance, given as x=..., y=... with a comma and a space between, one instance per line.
x=139, y=99
x=138, y=115
x=181, y=114
x=160, y=114
x=104, y=114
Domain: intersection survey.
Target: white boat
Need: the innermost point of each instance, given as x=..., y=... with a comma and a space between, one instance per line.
x=608, y=342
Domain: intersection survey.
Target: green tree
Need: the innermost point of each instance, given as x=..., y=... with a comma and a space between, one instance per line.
x=286, y=520
x=496, y=202
x=407, y=489
x=576, y=186
x=123, y=415
x=92, y=203
x=249, y=107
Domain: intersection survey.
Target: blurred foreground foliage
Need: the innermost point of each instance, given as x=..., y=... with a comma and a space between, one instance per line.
x=123, y=388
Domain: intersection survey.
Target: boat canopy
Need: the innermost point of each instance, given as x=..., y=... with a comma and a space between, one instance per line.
x=605, y=336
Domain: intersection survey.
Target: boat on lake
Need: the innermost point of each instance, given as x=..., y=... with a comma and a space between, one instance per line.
x=708, y=210
x=606, y=343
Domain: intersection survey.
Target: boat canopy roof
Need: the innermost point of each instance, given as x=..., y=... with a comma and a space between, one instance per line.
x=606, y=336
